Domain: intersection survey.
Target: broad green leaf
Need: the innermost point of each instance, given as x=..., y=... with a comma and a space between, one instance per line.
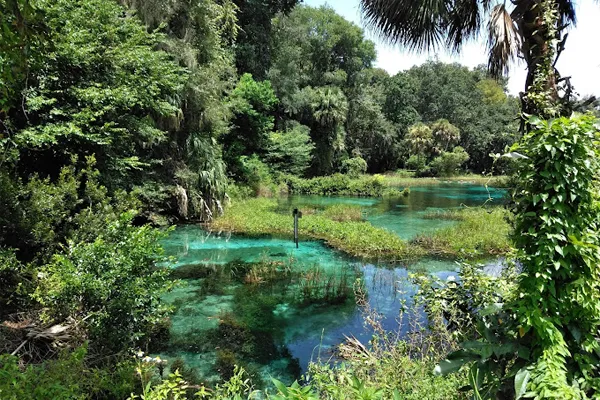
x=521, y=380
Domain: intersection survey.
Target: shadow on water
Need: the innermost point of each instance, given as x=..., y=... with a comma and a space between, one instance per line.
x=263, y=304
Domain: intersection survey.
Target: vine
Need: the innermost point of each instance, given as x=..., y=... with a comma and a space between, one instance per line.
x=556, y=235
x=542, y=93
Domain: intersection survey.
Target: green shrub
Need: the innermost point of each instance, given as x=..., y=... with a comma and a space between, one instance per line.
x=289, y=152
x=340, y=185
x=448, y=163
x=557, y=236
x=354, y=167
x=112, y=282
x=416, y=163
x=256, y=174
x=65, y=378
x=542, y=341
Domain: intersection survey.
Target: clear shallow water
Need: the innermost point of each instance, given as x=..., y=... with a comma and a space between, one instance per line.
x=268, y=326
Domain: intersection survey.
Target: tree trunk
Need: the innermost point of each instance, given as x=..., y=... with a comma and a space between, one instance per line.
x=539, y=30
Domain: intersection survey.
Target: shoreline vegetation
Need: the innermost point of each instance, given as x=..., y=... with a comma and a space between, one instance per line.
x=257, y=217
x=391, y=184
x=478, y=232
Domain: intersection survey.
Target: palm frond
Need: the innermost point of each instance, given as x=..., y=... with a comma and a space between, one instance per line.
x=504, y=40
x=464, y=21
x=415, y=24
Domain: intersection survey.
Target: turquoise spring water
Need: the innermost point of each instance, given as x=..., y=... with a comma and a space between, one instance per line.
x=273, y=327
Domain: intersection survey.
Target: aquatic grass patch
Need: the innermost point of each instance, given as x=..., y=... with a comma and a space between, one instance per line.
x=359, y=239
x=446, y=215
x=343, y=213
x=479, y=232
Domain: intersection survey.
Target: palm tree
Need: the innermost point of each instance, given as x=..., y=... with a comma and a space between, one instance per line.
x=420, y=139
x=529, y=29
x=330, y=109
x=330, y=106
x=444, y=134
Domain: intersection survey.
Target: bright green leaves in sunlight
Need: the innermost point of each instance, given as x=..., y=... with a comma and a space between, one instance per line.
x=112, y=282
x=101, y=88
x=557, y=237
x=252, y=104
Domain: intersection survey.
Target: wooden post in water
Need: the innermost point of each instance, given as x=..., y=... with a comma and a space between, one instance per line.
x=297, y=214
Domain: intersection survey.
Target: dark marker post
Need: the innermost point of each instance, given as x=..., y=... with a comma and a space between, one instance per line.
x=297, y=214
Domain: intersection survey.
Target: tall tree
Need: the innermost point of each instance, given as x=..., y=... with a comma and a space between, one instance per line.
x=253, y=44
x=531, y=30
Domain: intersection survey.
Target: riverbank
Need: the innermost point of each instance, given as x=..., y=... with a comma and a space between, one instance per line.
x=404, y=179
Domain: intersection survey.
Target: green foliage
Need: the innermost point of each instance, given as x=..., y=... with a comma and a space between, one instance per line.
x=289, y=152
x=256, y=173
x=354, y=167
x=544, y=336
x=556, y=236
x=112, y=282
x=257, y=217
x=252, y=104
x=444, y=134
x=416, y=163
x=118, y=86
x=64, y=378
x=478, y=233
x=449, y=162
x=394, y=371
x=21, y=31
x=338, y=184
x=474, y=307
x=453, y=92
x=15, y=290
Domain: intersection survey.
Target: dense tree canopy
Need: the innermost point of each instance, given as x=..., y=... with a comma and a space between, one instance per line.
x=116, y=116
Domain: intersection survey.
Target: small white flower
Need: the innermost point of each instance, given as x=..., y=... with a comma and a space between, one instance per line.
x=451, y=278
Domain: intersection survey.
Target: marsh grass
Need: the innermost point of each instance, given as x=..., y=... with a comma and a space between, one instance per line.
x=359, y=239
x=479, y=233
x=317, y=286
x=343, y=213
x=407, y=179
x=395, y=364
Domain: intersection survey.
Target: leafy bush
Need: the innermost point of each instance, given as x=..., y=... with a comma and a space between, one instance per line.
x=557, y=236
x=256, y=174
x=416, y=163
x=289, y=152
x=354, y=167
x=65, y=378
x=338, y=184
x=112, y=282
x=448, y=163
x=544, y=338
